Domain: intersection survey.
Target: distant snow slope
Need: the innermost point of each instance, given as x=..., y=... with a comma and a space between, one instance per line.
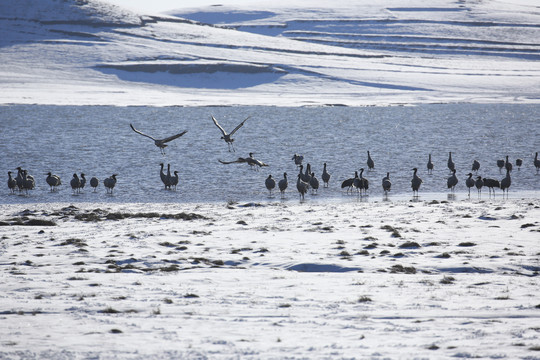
x=272, y=53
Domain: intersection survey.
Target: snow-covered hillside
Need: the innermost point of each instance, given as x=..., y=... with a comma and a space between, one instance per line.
x=278, y=53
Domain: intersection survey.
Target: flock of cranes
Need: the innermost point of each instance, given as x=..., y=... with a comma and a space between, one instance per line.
x=306, y=179
x=170, y=181
x=24, y=182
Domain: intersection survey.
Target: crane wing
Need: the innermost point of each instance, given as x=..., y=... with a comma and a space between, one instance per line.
x=173, y=137
x=143, y=134
x=239, y=160
x=239, y=126
x=219, y=126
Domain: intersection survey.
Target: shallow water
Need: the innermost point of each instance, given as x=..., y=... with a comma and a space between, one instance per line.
x=98, y=141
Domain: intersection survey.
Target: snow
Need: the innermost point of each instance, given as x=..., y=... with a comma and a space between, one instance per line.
x=401, y=280
x=311, y=53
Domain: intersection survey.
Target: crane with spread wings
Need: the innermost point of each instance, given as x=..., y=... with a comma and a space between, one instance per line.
x=227, y=136
x=251, y=161
x=160, y=143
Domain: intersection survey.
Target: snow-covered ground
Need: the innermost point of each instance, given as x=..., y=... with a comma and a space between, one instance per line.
x=251, y=281
x=278, y=53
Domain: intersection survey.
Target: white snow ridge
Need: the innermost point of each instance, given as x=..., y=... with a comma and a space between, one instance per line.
x=273, y=53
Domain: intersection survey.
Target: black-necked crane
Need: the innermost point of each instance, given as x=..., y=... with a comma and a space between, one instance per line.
x=160, y=143
x=174, y=180
x=94, y=182
x=301, y=172
x=83, y=181
x=386, y=183
x=506, y=182
x=349, y=182
x=297, y=159
x=325, y=176
x=415, y=182
x=430, y=165
x=479, y=183
x=370, y=162
x=475, y=166
x=270, y=183
x=451, y=164
x=519, y=162
x=163, y=176
x=314, y=183
x=251, y=161
x=29, y=183
x=254, y=163
x=168, y=177
x=508, y=164
x=491, y=184
x=110, y=183
x=301, y=186
x=20, y=178
x=500, y=164
x=53, y=181
x=12, y=183
x=307, y=175
x=282, y=184
x=227, y=136
x=452, y=181
x=361, y=183
x=304, y=175
x=75, y=183
x=469, y=182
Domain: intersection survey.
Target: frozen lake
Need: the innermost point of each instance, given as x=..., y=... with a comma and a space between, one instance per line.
x=98, y=141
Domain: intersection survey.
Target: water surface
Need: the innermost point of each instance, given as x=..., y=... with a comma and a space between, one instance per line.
x=98, y=141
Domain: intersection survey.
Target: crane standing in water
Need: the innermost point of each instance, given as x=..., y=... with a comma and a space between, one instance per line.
x=429, y=165
x=283, y=184
x=270, y=183
x=415, y=182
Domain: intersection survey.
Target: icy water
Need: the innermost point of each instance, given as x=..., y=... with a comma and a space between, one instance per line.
x=98, y=141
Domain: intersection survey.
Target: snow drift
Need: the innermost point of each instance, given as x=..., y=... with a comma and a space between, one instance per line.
x=357, y=53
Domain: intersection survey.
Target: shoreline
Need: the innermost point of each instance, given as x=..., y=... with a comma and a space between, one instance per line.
x=405, y=102
x=293, y=198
